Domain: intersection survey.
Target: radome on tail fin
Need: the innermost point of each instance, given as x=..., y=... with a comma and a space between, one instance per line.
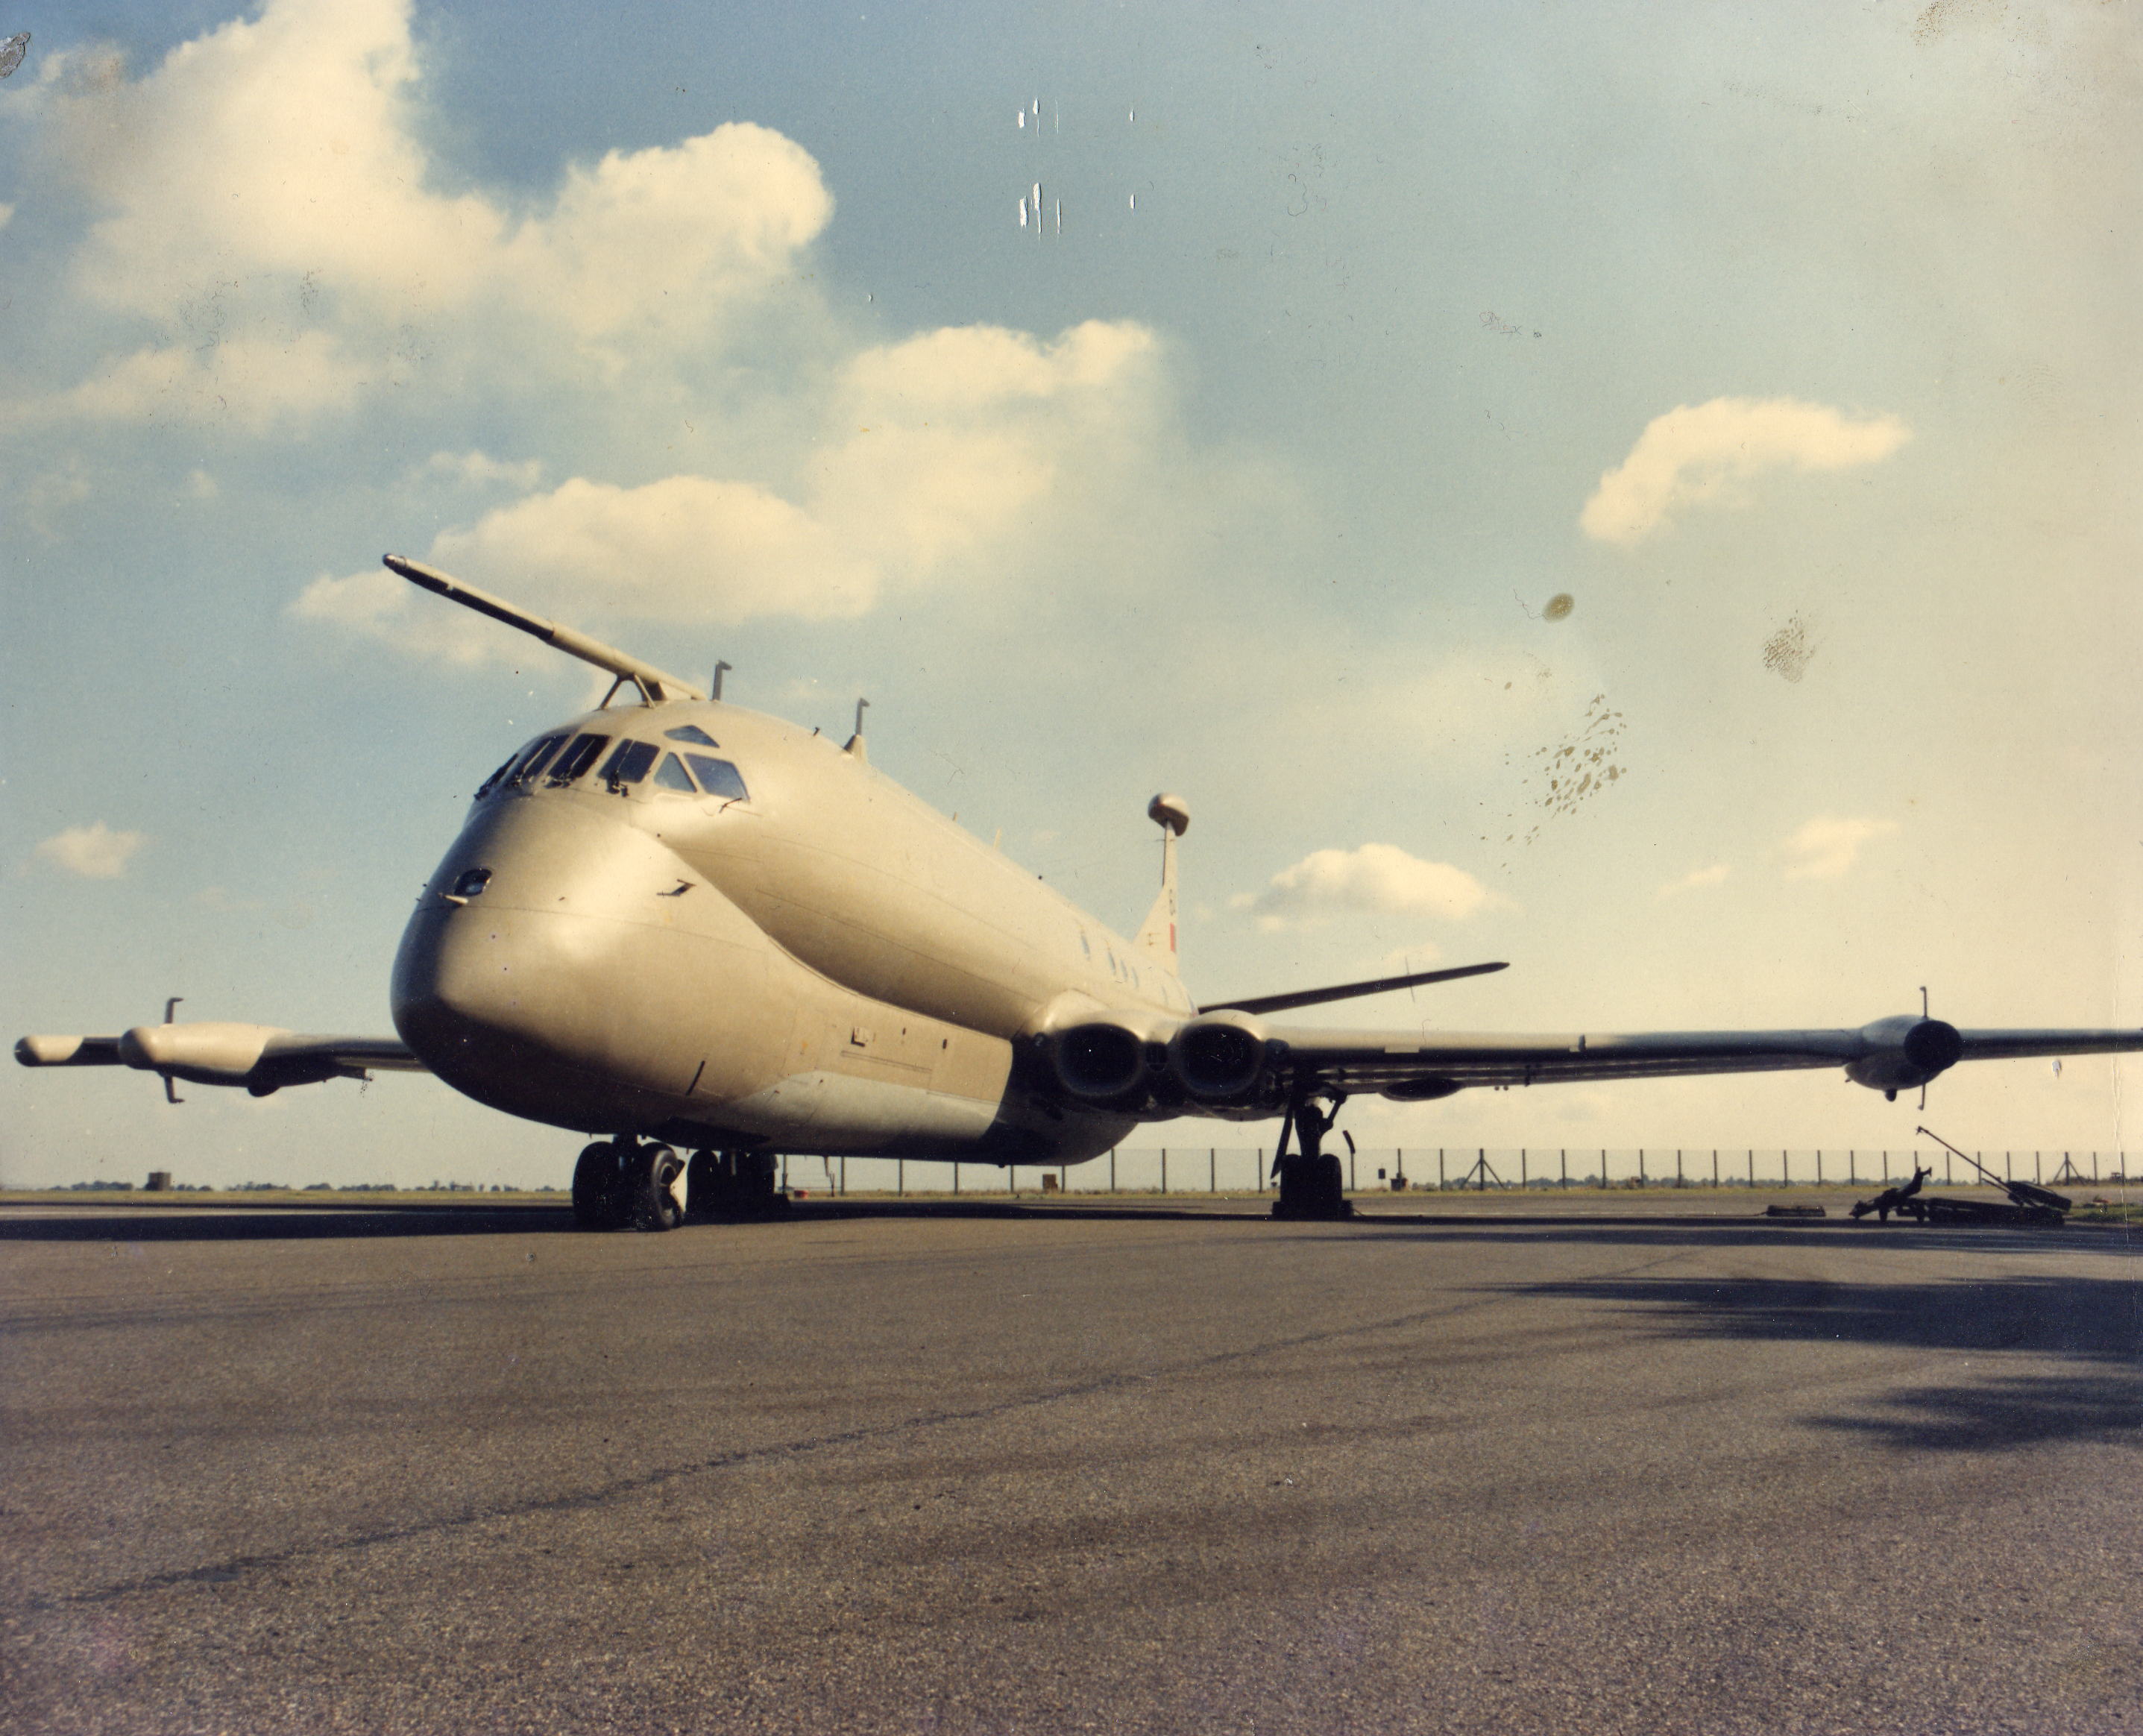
x=1156, y=935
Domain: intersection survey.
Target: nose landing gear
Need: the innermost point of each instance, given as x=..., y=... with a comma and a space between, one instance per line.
x=621, y=1183
x=1311, y=1185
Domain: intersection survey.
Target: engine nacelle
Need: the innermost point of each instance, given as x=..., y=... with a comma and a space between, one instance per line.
x=1219, y=1057
x=1905, y=1052
x=1102, y=1060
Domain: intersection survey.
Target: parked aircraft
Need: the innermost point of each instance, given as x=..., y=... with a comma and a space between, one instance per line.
x=676, y=923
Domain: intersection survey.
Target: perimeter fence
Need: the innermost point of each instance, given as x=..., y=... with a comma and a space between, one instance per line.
x=1245, y=1170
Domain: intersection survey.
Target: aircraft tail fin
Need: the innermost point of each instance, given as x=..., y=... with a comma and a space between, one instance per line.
x=1156, y=935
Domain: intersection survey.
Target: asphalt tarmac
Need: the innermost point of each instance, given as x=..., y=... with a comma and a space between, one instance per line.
x=464, y=1470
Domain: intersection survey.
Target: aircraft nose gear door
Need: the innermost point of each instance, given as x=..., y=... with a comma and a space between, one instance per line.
x=1311, y=1185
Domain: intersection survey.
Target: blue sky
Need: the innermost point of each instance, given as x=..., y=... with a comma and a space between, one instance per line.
x=1792, y=344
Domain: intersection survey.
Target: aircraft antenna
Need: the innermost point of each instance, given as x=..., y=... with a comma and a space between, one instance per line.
x=856, y=746
x=720, y=669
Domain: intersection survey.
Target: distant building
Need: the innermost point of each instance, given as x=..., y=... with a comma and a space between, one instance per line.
x=159, y=1181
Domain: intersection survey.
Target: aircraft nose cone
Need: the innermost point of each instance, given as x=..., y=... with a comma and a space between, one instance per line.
x=518, y=995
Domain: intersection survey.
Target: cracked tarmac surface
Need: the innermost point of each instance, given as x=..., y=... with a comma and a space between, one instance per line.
x=891, y=1470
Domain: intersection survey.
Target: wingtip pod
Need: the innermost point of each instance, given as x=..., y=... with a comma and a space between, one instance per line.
x=68, y=1051
x=1904, y=1052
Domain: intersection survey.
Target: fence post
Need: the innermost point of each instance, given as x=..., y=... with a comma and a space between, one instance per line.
x=1562, y=1162
x=1678, y=1166
x=1818, y=1166
x=1521, y=1169
x=1641, y=1166
x=956, y=1175
x=1752, y=1167
x=1112, y=1169
x=1261, y=1177
x=1439, y=1168
x=1350, y=1171
x=1212, y=1169
x=1164, y=1168
x=1603, y=1168
x=899, y=1178
x=1715, y=1166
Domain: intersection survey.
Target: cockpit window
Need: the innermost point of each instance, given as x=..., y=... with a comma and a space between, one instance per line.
x=533, y=761
x=498, y=777
x=578, y=757
x=629, y=764
x=718, y=778
x=670, y=775
x=692, y=733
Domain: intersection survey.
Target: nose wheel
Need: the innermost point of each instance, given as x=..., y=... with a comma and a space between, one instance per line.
x=1311, y=1184
x=623, y=1184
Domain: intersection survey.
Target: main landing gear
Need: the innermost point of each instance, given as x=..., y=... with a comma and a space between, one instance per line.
x=624, y=1185
x=1311, y=1184
x=735, y=1185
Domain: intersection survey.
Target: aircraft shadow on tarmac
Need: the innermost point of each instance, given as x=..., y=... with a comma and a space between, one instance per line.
x=225, y=1221
x=2091, y=1322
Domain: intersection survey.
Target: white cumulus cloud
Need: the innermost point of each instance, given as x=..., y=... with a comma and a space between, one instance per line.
x=1375, y=879
x=1827, y=847
x=1701, y=452
x=941, y=456
x=1711, y=876
x=270, y=211
x=96, y=851
x=479, y=469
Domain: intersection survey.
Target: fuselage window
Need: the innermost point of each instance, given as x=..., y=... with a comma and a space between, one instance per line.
x=533, y=761
x=629, y=764
x=584, y=753
x=694, y=734
x=718, y=778
x=671, y=775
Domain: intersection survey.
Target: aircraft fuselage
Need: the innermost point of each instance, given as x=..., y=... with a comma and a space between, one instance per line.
x=821, y=963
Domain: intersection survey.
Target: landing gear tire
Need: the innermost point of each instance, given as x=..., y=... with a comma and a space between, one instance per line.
x=595, y=1187
x=1312, y=1187
x=649, y=1175
x=734, y=1184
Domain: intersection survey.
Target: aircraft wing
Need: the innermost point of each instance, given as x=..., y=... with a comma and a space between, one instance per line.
x=260, y=1057
x=1888, y=1055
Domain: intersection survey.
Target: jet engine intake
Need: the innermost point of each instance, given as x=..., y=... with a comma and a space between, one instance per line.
x=1102, y=1060
x=1905, y=1052
x=1219, y=1057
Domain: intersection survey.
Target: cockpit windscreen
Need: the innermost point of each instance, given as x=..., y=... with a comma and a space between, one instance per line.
x=629, y=764
x=718, y=778
x=578, y=757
